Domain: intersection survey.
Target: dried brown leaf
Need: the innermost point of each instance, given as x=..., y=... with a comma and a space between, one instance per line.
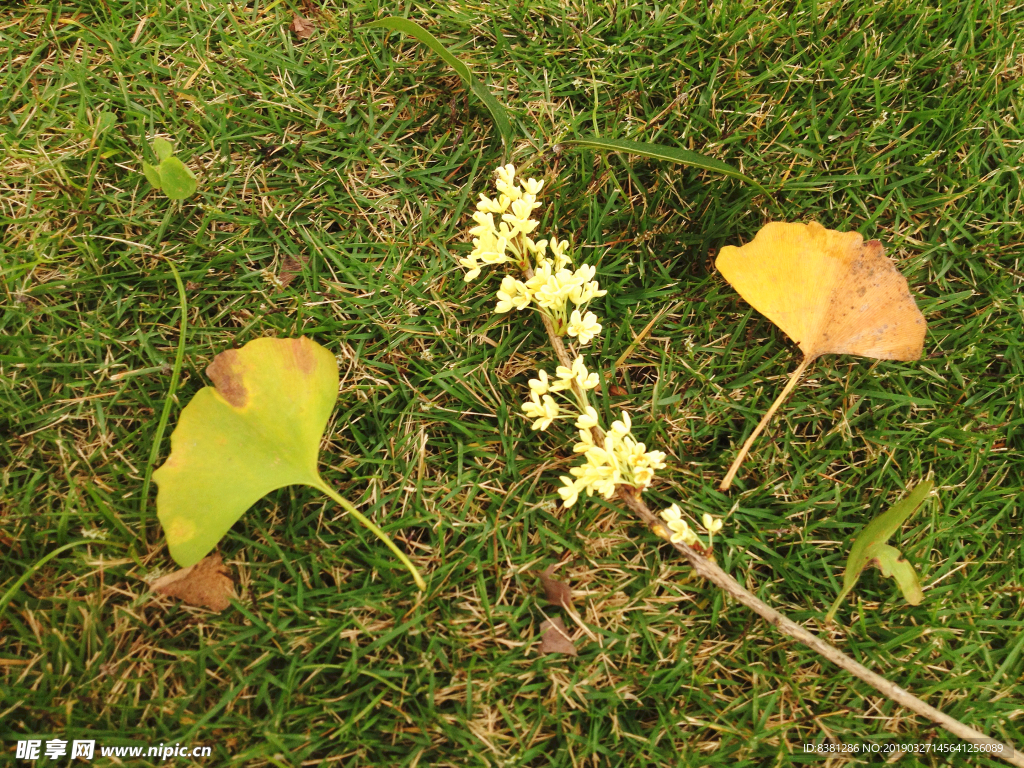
x=302, y=27
x=290, y=269
x=206, y=583
x=554, y=637
x=556, y=592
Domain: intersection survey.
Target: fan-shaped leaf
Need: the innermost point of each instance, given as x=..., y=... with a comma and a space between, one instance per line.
x=257, y=430
x=830, y=292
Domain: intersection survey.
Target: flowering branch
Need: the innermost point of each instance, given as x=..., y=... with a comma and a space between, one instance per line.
x=614, y=458
x=618, y=465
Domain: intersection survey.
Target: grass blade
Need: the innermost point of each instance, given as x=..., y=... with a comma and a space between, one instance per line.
x=165, y=414
x=13, y=590
x=414, y=30
x=662, y=152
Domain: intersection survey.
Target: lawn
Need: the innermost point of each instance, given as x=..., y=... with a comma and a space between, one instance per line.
x=337, y=174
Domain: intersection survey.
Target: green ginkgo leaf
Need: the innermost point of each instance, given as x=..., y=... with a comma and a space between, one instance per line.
x=870, y=548
x=256, y=430
x=178, y=182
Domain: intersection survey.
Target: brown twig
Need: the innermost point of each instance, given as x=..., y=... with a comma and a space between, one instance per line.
x=710, y=571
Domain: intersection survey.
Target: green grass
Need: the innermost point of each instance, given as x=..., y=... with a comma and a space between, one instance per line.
x=363, y=155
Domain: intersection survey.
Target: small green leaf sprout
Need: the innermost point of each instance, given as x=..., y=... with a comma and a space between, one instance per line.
x=870, y=547
x=171, y=175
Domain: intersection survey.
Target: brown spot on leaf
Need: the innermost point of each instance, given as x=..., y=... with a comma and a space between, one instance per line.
x=226, y=374
x=206, y=583
x=874, y=249
x=302, y=352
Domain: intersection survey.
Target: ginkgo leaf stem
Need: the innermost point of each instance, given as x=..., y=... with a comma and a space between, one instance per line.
x=793, y=379
x=348, y=507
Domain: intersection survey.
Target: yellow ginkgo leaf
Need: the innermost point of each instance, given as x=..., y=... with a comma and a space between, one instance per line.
x=830, y=292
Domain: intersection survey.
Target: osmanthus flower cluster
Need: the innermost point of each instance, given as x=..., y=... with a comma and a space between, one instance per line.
x=554, y=285
x=618, y=460
x=613, y=457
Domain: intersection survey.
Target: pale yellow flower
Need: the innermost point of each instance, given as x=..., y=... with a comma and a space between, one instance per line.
x=642, y=477
x=587, y=419
x=546, y=289
x=586, y=442
x=584, y=328
x=569, y=491
x=471, y=264
x=539, y=386
x=584, y=293
x=679, y=527
x=565, y=376
x=655, y=459
x=533, y=186
x=558, y=249
x=544, y=410
x=506, y=173
x=537, y=248
x=621, y=428
x=519, y=220
x=489, y=248
x=513, y=293
x=484, y=224
x=488, y=205
x=711, y=524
